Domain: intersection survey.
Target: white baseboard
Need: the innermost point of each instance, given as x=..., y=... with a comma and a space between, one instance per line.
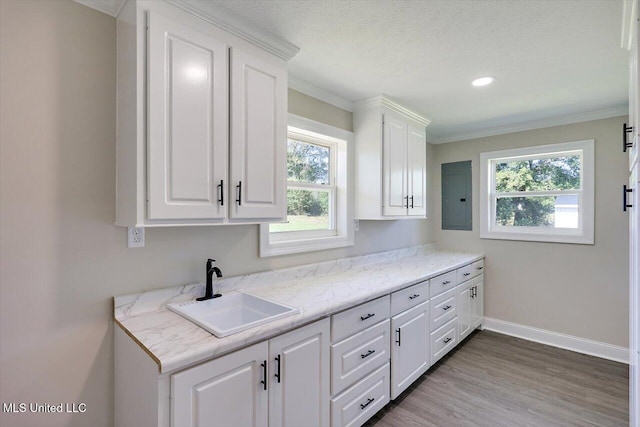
x=555, y=339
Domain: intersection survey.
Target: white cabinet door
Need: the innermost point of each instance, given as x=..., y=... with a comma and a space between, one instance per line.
x=477, y=303
x=633, y=199
x=394, y=166
x=187, y=122
x=228, y=391
x=299, y=380
x=464, y=309
x=417, y=174
x=258, y=138
x=410, y=348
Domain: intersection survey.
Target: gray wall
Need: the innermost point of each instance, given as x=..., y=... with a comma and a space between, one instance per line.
x=61, y=258
x=579, y=290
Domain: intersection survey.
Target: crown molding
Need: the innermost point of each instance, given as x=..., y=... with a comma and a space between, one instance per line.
x=566, y=119
x=309, y=89
x=110, y=7
x=390, y=104
x=222, y=19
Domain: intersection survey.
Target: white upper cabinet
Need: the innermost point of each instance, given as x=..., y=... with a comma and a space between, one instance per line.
x=187, y=127
x=391, y=160
x=201, y=121
x=394, y=166
x=258, y=137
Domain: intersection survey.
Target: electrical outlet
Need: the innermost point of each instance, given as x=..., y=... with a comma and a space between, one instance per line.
x=135, y=237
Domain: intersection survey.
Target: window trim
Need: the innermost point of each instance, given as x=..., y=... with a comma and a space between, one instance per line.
x=298, y=242
x=585, y=232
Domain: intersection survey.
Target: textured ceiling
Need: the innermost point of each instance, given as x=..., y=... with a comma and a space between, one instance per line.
x=550, y=57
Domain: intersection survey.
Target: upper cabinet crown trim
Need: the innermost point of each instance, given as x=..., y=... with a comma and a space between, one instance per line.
x=214, y=15
x=387, y=102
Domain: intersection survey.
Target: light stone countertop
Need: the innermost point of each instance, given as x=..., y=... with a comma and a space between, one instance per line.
x=318, y=290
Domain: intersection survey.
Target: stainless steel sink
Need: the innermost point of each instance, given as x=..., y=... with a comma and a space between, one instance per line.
x=232, y=312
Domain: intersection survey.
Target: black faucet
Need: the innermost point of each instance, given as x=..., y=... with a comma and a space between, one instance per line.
x=208, y=293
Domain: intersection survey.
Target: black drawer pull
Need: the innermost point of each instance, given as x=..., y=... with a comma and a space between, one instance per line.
x=480, y=268
x=626, y=204
x=277, y=374
x=221, y=188
x=446, y=340
x=239, y=193
x=367, y=354
x=446, y=282
x=399, y=332
x=625, y=130
x=466, y=274
x=363, y=318
x=264, y=374
x=369, y=401
x=414, y=296
x=446, y=307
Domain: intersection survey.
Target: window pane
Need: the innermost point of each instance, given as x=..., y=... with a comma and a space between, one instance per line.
x=556, y=173
x=538, y=211
x=307, y=162
x=306, y=210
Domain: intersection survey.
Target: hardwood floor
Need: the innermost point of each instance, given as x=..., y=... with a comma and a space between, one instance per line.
x=496, y=380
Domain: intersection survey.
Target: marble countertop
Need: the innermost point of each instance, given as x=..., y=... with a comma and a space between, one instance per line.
x=318, y=290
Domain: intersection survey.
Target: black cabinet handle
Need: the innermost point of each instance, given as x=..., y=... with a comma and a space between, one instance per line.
x=407, y=199
x=399, y=332
x=625, y=130
x=466, y=274
x=625, y=205
x=277, y=374
x=414, y=296
x=411, y=202
x=363, y=318
x=264, y=375
x=480, y=268
x=364, y=405
x=446, y=340
x=446, y=282
x=446, y=308
x=367, y=354
x=463, y=200
x=239, y=188
x=221, y=187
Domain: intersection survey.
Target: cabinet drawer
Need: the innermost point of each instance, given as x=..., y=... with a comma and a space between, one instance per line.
x=443, y=340
x=472, y=270
x=443, y=309
x=356, y=356
x=409, y=297
x=358, y=318
x=478, y=268
x=362, y=401
x=442, y=283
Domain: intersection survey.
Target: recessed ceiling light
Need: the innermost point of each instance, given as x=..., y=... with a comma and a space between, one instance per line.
x=483, y=81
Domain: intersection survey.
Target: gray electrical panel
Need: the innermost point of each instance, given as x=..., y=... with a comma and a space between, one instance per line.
x=456, y=196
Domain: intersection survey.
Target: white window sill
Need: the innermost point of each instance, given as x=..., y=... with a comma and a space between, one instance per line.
x=299, y=246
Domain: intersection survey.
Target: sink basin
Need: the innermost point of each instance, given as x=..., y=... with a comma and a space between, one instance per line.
x=232, y=312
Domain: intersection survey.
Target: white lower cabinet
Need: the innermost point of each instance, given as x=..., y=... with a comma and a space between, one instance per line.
x=280, y=382
x=337, y=371
x=361, y=401
x=360, y=362
x=443, y=340
x=299, y=380
x=228, y=391
x=410, y=347
x=470, y=306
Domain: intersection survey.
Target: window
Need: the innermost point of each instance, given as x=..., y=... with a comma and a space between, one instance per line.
x=319, y=205
x=542, y=193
